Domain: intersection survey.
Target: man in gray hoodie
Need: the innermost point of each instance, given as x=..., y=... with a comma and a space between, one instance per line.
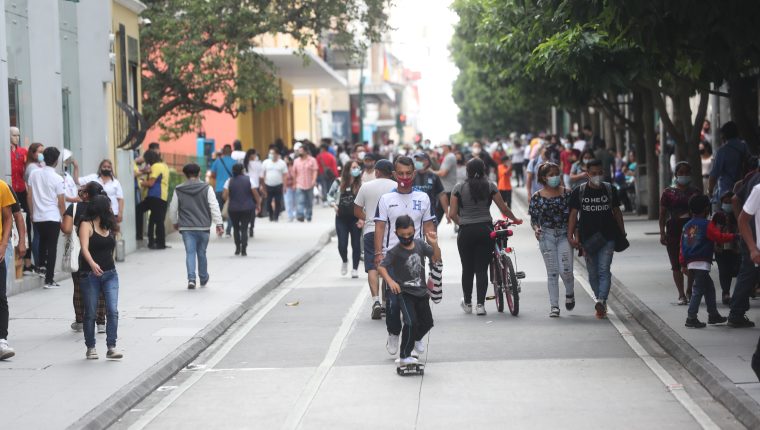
x=192, y=210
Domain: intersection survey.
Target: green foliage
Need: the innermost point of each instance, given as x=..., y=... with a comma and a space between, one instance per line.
x=198, y=54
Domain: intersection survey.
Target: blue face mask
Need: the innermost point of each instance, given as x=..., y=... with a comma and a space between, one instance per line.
x=683, y=180
x=419, y=165
x=727, y=207
x=355, y=172
x=40, y=157
x=552, y=181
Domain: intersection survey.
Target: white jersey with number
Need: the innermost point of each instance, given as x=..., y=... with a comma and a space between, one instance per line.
x=391, y=206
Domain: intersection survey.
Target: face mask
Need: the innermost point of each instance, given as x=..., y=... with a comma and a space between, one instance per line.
x=356, y=172
x=405, y=183
x=476, y=151
x=586, y=161
x=419, y=165
x=361, y=155
x=106, y=172
x=568, y=146
x=552, y=181
x=683, y=180
x=405, y=240
x=271, y=157
x=40, y=157
x=596, y=180
x=727, y=207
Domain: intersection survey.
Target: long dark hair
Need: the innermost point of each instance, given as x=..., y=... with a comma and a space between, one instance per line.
x=237, y=169
x=30, y=158
x=248, y=157
x=477, y=180
x=99, y=206
x=347, y=180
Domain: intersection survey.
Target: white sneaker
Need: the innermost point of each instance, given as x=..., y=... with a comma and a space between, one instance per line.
x=419, y=346
x=52, y=285
x=101, y=328
x=480, y=310
x=467, y=308
x=6, y=351
x=354, y=273
x=392, y=344
x=343, y=269
x=407, y=361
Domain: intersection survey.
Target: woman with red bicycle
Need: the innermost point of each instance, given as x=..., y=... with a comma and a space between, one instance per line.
x=470, y=208
x=549, y=213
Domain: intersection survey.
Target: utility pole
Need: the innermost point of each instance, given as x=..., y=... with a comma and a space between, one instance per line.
x=361, y=100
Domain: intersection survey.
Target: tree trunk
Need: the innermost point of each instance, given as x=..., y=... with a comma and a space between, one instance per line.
x=650, y=137
x=743, y=103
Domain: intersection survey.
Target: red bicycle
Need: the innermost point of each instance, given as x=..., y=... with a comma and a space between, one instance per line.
x=505, y=279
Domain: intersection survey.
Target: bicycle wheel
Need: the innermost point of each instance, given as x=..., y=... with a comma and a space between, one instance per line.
x=512, y=290
x=498, y=288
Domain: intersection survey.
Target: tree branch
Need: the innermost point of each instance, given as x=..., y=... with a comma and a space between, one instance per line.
x=659, y=101
x=611, y=109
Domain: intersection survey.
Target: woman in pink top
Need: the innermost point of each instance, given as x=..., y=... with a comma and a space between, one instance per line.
x=305, y=171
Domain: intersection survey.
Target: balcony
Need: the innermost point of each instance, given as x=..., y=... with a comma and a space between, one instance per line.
x=302, y=75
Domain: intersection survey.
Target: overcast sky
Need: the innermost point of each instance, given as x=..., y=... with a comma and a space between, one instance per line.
x=423, y=30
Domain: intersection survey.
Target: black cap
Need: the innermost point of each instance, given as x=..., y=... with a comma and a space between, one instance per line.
x=370, y=155
x=421, y=155
x=384, y=166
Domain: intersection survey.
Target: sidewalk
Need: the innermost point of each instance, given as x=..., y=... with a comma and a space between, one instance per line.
x=162, y=325
x=644, y=285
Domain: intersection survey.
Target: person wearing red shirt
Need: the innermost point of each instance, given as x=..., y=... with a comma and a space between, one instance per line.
x=18, y=163
x=325, y=160
x=566, y=163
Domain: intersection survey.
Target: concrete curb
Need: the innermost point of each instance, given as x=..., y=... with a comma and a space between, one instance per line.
x=744, y=407
x=110, y=410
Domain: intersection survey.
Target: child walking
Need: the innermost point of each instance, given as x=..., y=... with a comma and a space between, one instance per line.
x=404, y=270
x=697, y=246
x=727, y=255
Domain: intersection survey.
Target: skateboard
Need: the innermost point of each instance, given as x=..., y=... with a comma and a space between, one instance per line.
x=410, y=369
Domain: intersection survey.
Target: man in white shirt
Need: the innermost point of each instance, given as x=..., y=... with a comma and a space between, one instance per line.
x=365, y=206
x=237, y=151
x=404, y=200
x=47, y=196
x=274, y=173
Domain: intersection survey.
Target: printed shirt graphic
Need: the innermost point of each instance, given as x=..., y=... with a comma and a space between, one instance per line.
x=394, y=204
x=596, y=210
x=408, y=266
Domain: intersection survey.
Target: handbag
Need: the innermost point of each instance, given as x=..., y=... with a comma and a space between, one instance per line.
x=71, y=249
x=226, y=209
x=621, y=242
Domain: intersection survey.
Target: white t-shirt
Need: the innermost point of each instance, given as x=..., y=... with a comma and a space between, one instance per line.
x=274, y=171
x=752, y=207
x=393, y=205
x=238, y=156
x=367, y=176
x=368, y=196
x=112, y=188
x=70, y=189
x=255, y=172
x=46, y=186
x=580, y=145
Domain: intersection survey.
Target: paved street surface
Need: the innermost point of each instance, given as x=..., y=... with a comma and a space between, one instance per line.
x=49, y=384
x=308, y=356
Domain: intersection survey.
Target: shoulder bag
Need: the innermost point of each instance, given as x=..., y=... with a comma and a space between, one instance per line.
x=72, y=248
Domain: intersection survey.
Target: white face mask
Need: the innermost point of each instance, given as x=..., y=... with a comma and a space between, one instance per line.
x=596, y=180
x=361, y=155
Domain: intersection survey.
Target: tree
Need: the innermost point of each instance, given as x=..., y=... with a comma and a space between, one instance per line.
x=198, y=55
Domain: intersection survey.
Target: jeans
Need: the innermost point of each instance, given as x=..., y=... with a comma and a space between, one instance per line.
x=728, y=267
x=345, y=227
x=196, y=242
x=239, y=221
x=418, y=320
x=305, y=201
x=324, y=185
x=558, y=259
x=92, y=286
x=598, y=266
x=274, y=194
x=156, y=227
x=745, y=283
x=703, y=286
x=290, y=203
x=475, y=251
x=4, y=313
x=48, y=233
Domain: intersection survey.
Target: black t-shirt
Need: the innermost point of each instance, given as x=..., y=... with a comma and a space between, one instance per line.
x=430, y=184
x=81, y=211
x=407, y=266
x=596, y=211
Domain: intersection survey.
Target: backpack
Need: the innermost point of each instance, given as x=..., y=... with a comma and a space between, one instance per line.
x=346, y=203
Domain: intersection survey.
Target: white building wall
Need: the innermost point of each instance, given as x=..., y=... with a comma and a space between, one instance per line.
x=5, y=163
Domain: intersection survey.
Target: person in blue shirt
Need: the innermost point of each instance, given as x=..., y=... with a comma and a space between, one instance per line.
x=221, y=171
x=729, y=161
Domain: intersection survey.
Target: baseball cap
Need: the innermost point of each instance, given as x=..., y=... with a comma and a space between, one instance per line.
x=369, y=155
x=421, y=155
x=384, y=166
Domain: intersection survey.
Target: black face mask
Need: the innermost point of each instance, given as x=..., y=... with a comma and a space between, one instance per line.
x=106, y=172
x=405, y=240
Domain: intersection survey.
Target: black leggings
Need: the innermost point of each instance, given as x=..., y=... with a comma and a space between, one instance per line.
x=48, y=231
x=156, y=227
x=239, y=221
x=274, y=194
x=475, y=247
